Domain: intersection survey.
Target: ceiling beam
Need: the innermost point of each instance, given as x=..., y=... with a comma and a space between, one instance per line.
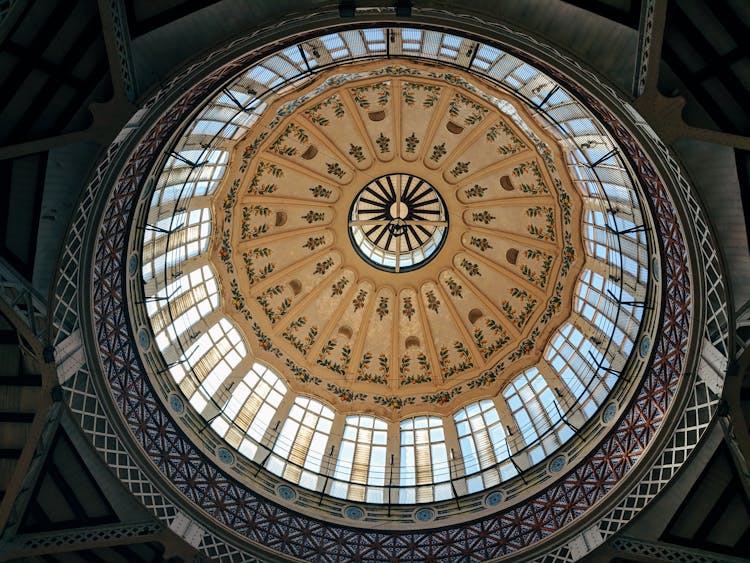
x=650, y=40
x=164, y=17
x=114, y=25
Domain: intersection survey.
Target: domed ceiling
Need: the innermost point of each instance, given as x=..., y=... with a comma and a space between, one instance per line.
x=400, y=235
x=383, y=282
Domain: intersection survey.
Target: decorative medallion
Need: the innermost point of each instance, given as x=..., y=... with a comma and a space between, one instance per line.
x=353, y=512
x=398, y=222
x=225, y=455
x=144, y=340
x=644, y=346
x=609, y=412
x=424, y=514
x=557, y=463
x=286, y=492
x=494, y=498
x=176, y=403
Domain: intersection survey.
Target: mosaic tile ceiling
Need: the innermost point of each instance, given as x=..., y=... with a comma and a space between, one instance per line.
x=358, y=329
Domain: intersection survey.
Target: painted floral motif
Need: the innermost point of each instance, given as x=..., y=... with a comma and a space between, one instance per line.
x=238, y=301
x=422, y=375
x=516, y=143
x=433, y=303
x=382, y=308
x=564, y=199
x=383, y=143
x=314, y=242
x=346, y=395
x=568, y=254
x=481, y=243
x=264, y=168
x=274, y=315
x=529, y=304
x=526, y=347
x=356, y=152
x=548, y=231
x=477, y=111
x=488, y=348
x=359, y=300
x=482, y=217
x=541, y=277
x=553, y=304
x=408, y=310
x=230, y=200
x=320, y=192
x=461, y=167
x=292, y=130
x=323, y=266
x=411, y=142
x=471, y=268
x=533, y=168
x=334, y=168
x=381, y=376
x=225, y=251
x=247, y=229
x=302, y=345
x=338, y=287
x=340, y=366
x=447, y=367
x=455, y=288
x=441, y=397
x=254, y=276
x=313, y=217
x=476, y=191
x=438, y=152
x=486, y=378
x=393, y=402
x=251, y=150
x=314, y=114
x=430, y=99
x=381, y=89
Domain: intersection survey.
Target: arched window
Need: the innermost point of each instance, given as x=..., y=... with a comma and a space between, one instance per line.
x=300, y=446
x=175, y=239
x=181, y=304
x=575, y=359
x=532, y=404
x=424, y=460
x=250, y=409
x=482, y=439
x=596, y=302
x=361, y=465
x=207, y=363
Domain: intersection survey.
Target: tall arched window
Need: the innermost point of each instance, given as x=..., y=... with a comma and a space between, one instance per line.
x=300, y=446
x=361, y=465
x=575, y=359
x=251, y=409
x=424, y=460
x=482, y=439
x=174, y=239
x=532, y=404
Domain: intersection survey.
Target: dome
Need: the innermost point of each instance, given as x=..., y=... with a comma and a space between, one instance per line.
x=392, y=251
x=391, y=278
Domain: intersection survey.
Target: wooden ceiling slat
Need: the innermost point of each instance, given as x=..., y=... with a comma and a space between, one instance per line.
x=83, y=43
x=56, y=19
